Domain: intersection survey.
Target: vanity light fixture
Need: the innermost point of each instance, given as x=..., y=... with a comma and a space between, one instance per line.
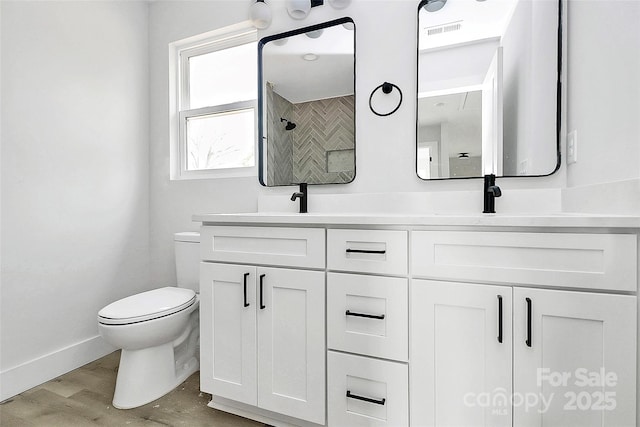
x=260, y=14
x=299, y=9
x=314, y=34
x=434, y=5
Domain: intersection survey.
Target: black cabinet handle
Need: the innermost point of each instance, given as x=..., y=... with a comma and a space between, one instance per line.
x=365, y=251
x=262, y=306
x=528, y=341
x=366, y=399
x=368, y=316
x=500, y=319
x=246, y=304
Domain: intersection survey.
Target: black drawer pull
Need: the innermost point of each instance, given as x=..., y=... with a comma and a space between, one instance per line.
x=365, y=251
x=368, y=316
x=500, y=319
x=366, y=399
x=262, y=306
x=246, y=303
x=528, y=341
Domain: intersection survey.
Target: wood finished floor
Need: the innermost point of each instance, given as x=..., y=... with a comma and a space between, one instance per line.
x=83, y=398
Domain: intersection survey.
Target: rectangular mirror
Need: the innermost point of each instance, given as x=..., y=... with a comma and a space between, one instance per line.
x=488, y=88
x=306, y=104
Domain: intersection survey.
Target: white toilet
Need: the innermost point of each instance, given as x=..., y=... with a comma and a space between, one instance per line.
x=158, y=332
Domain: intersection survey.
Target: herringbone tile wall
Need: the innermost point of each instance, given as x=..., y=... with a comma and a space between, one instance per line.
x=300, y=155
x=280, y=141
x=324, y=125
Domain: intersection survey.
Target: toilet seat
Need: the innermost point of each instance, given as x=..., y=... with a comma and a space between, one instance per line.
x=147, y=306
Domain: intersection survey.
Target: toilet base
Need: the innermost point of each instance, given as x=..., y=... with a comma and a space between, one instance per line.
x=148, y=374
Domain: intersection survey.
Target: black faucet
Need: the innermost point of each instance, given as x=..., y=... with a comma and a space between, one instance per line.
x=491, y=191
x=302, y=194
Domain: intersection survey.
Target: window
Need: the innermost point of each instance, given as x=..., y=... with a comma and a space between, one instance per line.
x=215, y=106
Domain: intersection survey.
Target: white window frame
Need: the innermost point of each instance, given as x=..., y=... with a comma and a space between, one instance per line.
x=179, y=54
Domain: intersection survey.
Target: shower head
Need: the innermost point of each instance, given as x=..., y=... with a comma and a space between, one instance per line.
x=290, y=125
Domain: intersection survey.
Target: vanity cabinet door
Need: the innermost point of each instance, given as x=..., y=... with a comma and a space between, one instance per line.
x=461, y=353
x=574, y=358
x=291, y=342
x=228, y=331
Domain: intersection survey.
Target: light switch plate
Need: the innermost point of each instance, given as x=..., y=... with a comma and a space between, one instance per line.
x=572, y=147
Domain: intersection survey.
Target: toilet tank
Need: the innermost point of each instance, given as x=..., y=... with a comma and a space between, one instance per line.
x=187, y=253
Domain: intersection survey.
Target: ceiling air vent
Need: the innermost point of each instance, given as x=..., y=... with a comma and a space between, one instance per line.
x=446, y=28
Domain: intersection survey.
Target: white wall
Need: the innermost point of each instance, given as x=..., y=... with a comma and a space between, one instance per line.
x=172, y=203
x=604, y=107
x=74, y=179
x=604, y=91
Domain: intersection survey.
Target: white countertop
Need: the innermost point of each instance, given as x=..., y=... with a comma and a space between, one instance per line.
x=563, y=220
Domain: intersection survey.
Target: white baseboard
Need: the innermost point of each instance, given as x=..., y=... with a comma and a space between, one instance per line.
x=42, y=369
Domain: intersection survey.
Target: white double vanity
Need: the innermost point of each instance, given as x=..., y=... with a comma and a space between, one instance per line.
x=422, y=319
x=479, y=320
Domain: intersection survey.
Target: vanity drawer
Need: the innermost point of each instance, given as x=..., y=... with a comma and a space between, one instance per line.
x=592, y=261
x=291, y=247
x=367, y=251
x=368, y=315
x=385, y=385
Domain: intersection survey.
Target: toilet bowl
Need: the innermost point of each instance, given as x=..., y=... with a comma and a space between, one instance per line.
x=158, y=332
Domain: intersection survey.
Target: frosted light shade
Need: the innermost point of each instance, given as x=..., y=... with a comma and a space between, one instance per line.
x=314, y=34
x=260, y=14
x=339, y=4
x=434, y=5
x=298, y=9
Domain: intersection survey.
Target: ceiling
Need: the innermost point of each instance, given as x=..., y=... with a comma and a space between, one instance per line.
x=299, y=80
x=465, y=20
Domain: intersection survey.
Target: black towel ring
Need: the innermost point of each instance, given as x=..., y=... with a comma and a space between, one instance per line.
x=386, y=88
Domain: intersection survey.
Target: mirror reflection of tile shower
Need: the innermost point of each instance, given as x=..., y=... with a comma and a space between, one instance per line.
x=321, y=127
x=308, y=107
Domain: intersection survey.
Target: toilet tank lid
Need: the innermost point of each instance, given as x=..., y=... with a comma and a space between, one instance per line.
x=187, y=236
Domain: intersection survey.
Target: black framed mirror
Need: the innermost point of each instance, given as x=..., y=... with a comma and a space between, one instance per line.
x=306, y=105
x=488, y=88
